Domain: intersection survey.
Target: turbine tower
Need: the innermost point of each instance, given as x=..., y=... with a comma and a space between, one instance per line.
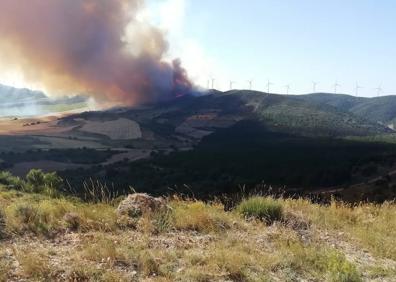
x=379, y=90
x=287, y=88
x=336, y=85
x=314, y=84
x=269, y=83
x=213, y=82
x=250, y=84
x=357, y=87
x=232, y=84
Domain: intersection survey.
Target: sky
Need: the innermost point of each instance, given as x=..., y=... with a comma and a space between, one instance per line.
x=288, y=42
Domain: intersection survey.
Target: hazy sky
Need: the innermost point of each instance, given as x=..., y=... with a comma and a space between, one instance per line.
x=289, y=42
x=286, y=41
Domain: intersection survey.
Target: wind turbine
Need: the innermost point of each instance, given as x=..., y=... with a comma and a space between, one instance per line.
x=287, y=88
x=250, y=84
x=269, y=83
x=213, y=82
x=314, y=84
x=232, y=84
x=336, y=85
x=379, y=90
x=357, y=87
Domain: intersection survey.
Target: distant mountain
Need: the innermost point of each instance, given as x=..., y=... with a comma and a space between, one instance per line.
x=11, y=95
x=377, y=109
x=26, y=102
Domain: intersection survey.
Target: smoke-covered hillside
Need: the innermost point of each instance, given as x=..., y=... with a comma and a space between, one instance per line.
x=15, y=102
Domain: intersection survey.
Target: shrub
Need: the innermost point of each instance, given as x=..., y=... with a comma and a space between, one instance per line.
x=341, y=270
x=46, y=183
x=35, y=178
x=52, y=180
x=7, y=179
x=266, y=209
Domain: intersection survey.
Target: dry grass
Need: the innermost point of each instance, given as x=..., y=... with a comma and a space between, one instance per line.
x=201, y=217
x=42, y=215
x=33, y=263
x=69, y=240
x=372, y=226
x=5, y=266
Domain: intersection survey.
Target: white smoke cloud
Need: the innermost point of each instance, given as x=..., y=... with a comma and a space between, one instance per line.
x=170, y=16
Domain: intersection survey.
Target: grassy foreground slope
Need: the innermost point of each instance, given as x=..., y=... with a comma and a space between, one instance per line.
x=60, y=238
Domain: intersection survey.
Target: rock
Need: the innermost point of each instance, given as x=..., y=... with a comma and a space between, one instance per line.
x=135, y=205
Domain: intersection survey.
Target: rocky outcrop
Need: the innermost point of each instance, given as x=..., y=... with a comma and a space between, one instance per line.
x=135, y=205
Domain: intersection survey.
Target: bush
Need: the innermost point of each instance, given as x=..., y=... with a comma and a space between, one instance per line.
x=341, y=270
x=47, y=183
x=266, y=209
x=7, y=179
x=35, y=180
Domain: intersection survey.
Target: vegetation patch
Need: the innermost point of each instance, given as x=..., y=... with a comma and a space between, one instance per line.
x=198, y=216
x=264, y=208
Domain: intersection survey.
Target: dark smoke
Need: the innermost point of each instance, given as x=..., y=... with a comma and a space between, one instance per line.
x=80, y=46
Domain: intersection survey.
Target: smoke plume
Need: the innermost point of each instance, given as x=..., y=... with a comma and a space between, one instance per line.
x=97, y=47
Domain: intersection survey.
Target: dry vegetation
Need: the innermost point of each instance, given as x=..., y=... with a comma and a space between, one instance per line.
x=263, y=239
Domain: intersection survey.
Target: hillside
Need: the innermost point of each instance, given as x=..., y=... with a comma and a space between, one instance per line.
x=280, y=113
x=48, y=238
x=377, y=109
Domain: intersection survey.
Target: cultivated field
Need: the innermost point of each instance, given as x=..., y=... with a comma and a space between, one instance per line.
x=120, y=129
